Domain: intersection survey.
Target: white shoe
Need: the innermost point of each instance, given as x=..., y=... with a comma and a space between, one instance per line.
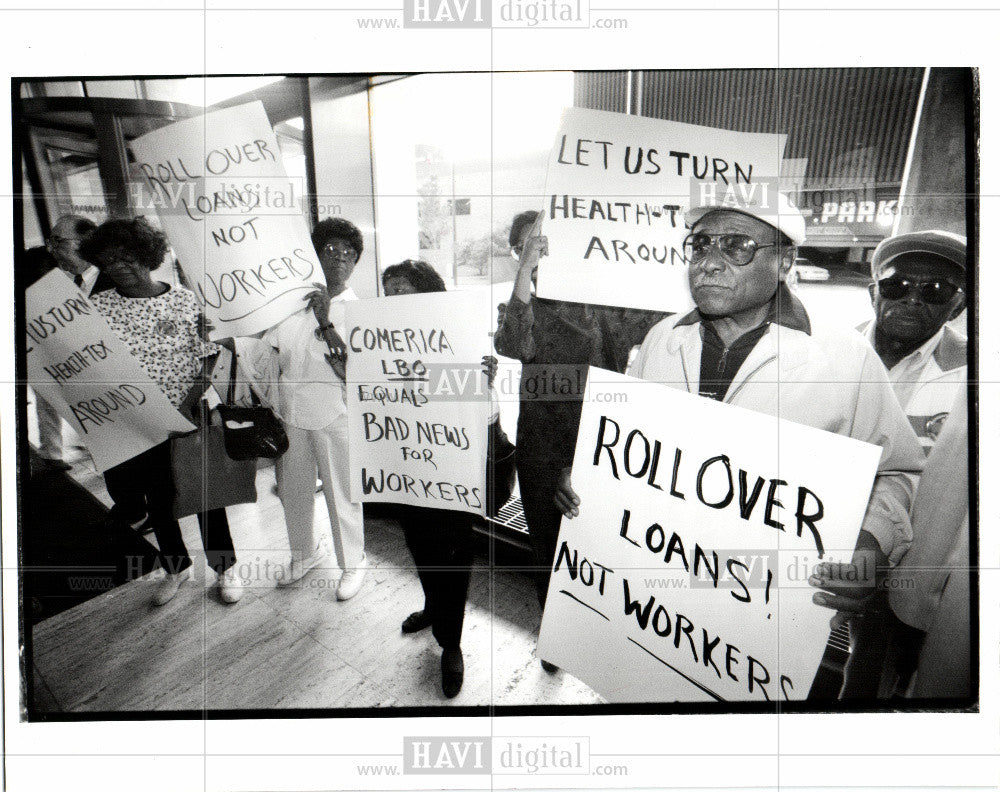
x=351, y=581
x=298, y=567
x=169, y=586
x=231, y=585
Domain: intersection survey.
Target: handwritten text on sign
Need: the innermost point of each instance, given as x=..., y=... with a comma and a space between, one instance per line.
x=616, y=192
x=232, y=216
x=417, y=399
x=684, y=578
x=79, y=366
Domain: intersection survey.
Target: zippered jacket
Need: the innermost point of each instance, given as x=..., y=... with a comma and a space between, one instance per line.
x=826, y=379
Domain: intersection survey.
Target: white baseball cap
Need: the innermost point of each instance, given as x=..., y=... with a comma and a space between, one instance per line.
x=768, y=206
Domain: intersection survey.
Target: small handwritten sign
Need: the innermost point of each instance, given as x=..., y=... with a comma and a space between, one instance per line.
x=417, y=399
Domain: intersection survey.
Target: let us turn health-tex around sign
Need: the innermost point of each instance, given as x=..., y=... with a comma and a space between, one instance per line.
x=616, y=190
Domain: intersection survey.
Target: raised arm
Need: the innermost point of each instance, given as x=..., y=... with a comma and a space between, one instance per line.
x=515, y=334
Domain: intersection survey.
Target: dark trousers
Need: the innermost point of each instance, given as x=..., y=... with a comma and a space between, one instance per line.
x=543, y=518
x=144, y=485
x=884, y=655
x=440, y=542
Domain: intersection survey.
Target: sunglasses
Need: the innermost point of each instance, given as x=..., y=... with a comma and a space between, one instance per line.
x=738, y=249
x=932, y=292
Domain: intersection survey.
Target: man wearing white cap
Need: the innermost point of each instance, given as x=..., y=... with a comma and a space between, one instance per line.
x=749, y=343
x=919, y=286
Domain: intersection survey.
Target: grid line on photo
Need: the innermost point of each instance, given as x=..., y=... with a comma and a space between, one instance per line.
x=492, y=575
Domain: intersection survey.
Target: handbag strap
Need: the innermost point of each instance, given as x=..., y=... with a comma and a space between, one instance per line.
x=254, y=400
x=232, y=381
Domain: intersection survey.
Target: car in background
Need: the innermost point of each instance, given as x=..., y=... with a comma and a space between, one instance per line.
x=805, y=270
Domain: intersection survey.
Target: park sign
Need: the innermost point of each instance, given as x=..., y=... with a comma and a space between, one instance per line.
x=232, y=216
x=616, y=191
x=684, y=577
x=418, y=403
x=79, y=366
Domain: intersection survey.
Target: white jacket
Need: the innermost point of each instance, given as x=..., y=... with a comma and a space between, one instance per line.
x=928, y=380
x=829, y=380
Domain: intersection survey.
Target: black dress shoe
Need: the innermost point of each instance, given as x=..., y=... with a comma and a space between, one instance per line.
x=452, y=672
x=416, y=621
x=550, y=667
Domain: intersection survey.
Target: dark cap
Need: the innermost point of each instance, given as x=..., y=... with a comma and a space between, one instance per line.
x=943, y=244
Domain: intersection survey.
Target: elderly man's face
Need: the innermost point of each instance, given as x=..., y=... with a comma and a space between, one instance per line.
x=915, y=295
x=720, y=287
x=64, y=246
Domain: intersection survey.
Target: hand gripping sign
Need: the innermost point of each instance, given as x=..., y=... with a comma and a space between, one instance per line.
x=232, y=216
x=418, y=404
x=684, y=577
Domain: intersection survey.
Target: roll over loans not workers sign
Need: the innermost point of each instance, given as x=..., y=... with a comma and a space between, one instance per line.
x=418, y=403
x=684, y=577
x=79, y=366
x=232, y=216
x=616, y=190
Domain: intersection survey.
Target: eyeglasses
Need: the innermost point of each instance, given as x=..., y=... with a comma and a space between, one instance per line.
x=738, y=249
x=110, y=261
x=341, y=250
x=933, y=292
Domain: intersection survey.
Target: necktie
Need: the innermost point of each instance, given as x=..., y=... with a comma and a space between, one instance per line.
x=78, y=280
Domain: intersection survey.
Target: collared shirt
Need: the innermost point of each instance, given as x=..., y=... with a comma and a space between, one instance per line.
x=906, y=374
x=87, y=279
x=826, y=379
x=720, y=363
x=926, y=380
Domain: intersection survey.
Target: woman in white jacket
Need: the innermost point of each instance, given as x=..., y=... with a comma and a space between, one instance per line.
x=310, y=400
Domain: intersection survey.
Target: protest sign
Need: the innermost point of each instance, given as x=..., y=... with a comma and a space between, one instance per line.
x=616, y=191
x=232, y=216
x=79, y=366
x=684, y=577
x=417, y=399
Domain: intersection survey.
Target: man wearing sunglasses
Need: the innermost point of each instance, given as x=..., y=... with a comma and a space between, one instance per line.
x=919, y=286
x=750, y=343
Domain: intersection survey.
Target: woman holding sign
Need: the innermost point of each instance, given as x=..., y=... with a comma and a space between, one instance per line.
x=556, y=342
x=440, y=540
x=308, y=354
x=162, y=326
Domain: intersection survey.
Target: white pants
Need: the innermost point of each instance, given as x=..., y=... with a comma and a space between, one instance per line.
x=323, y=451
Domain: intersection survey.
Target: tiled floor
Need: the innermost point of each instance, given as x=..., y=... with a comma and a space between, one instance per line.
x=295, y=647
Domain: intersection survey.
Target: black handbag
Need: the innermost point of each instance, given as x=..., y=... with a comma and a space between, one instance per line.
x=250, y=432
x=204, y=475
x=500, y=470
